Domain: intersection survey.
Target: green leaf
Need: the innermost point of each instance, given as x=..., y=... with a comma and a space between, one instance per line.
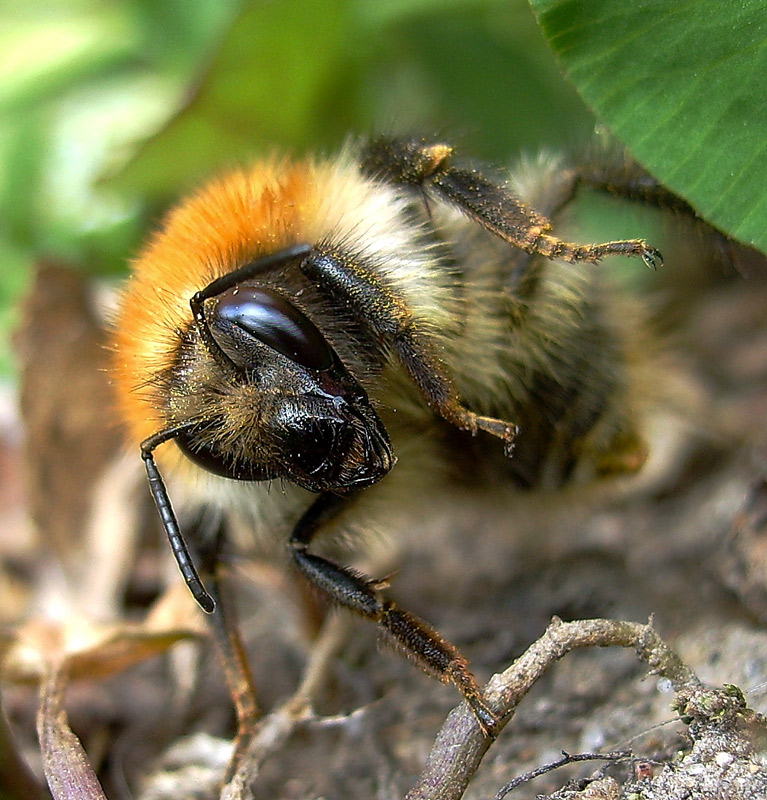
x=41, y=59
x=682, y=85
x=271, y=73
x=509, y=99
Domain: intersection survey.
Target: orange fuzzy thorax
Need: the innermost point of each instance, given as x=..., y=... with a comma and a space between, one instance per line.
x=233, y=220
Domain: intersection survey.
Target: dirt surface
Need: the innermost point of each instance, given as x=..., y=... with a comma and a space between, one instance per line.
x=686, y=545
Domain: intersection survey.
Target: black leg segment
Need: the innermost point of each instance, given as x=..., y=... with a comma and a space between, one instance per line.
x=361, y=594
x=433, y=167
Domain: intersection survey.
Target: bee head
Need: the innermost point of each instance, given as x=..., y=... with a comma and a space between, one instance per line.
x=299, y=413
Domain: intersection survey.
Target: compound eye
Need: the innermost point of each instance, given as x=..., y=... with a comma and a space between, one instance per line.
x=269, y=317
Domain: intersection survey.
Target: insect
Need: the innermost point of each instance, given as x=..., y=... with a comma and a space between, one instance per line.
x=295, y=329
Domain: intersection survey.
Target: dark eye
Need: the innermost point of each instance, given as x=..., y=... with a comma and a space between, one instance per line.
x=269, y=317
x=196, y=447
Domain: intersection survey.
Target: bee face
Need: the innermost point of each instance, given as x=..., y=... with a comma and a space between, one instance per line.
x=286, y=407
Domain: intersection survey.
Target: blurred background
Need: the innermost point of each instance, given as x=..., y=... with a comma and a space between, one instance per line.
x=110, y=109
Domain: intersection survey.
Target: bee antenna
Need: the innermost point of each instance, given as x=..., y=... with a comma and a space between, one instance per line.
x=169, y=520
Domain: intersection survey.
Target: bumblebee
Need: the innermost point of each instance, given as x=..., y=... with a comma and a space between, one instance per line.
x=295, y=329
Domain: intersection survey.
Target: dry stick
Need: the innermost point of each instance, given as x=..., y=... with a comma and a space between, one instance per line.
x=460, y=744
x=67, y=769
x=237, y=674
x=567, y=758
x=270, y=733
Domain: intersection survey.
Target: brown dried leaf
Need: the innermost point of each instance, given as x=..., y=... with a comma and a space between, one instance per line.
x=85, y=649
x=69, y=439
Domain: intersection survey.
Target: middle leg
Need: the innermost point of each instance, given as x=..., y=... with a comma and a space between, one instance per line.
x=362, y=594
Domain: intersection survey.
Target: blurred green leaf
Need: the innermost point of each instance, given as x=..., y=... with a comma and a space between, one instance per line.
x=682, y=85
x=41, y=57
x=80, y=82
x=490, y=78
x=14, y=279
x=268, y=79
x=302, y=75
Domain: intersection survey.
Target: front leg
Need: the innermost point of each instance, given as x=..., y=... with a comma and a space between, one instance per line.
x=361, y=594
x=388, y=317
x=429, y=166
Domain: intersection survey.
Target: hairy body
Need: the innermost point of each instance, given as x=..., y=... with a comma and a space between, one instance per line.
x=406, y=285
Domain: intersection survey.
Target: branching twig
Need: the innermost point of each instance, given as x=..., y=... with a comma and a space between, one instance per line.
x=567, y=758
x=460, y=744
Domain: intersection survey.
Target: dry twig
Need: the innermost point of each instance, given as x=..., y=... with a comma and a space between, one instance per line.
x=567, y=758
x=272, y=731
x=461, y=745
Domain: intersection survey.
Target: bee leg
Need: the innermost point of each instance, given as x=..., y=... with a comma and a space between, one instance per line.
x=391, y=321
x=619, y=177
x=501, y=212
x=360, y=593
x=232, y=651
x=431, y=167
